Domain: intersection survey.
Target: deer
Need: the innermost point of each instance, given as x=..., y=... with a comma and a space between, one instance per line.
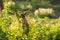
x=25, y=21
x=23, y=15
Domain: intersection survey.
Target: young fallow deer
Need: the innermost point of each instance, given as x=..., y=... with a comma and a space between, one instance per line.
x=23, y=15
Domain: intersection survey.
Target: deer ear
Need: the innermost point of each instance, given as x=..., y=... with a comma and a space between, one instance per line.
x=25, y=12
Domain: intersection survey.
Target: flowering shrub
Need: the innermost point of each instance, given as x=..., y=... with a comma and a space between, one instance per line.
x=40, y=29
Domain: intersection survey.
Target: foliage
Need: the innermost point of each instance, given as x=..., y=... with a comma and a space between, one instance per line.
x=12, y=27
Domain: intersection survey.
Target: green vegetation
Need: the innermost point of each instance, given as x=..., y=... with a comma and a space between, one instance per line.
x=41, y=26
